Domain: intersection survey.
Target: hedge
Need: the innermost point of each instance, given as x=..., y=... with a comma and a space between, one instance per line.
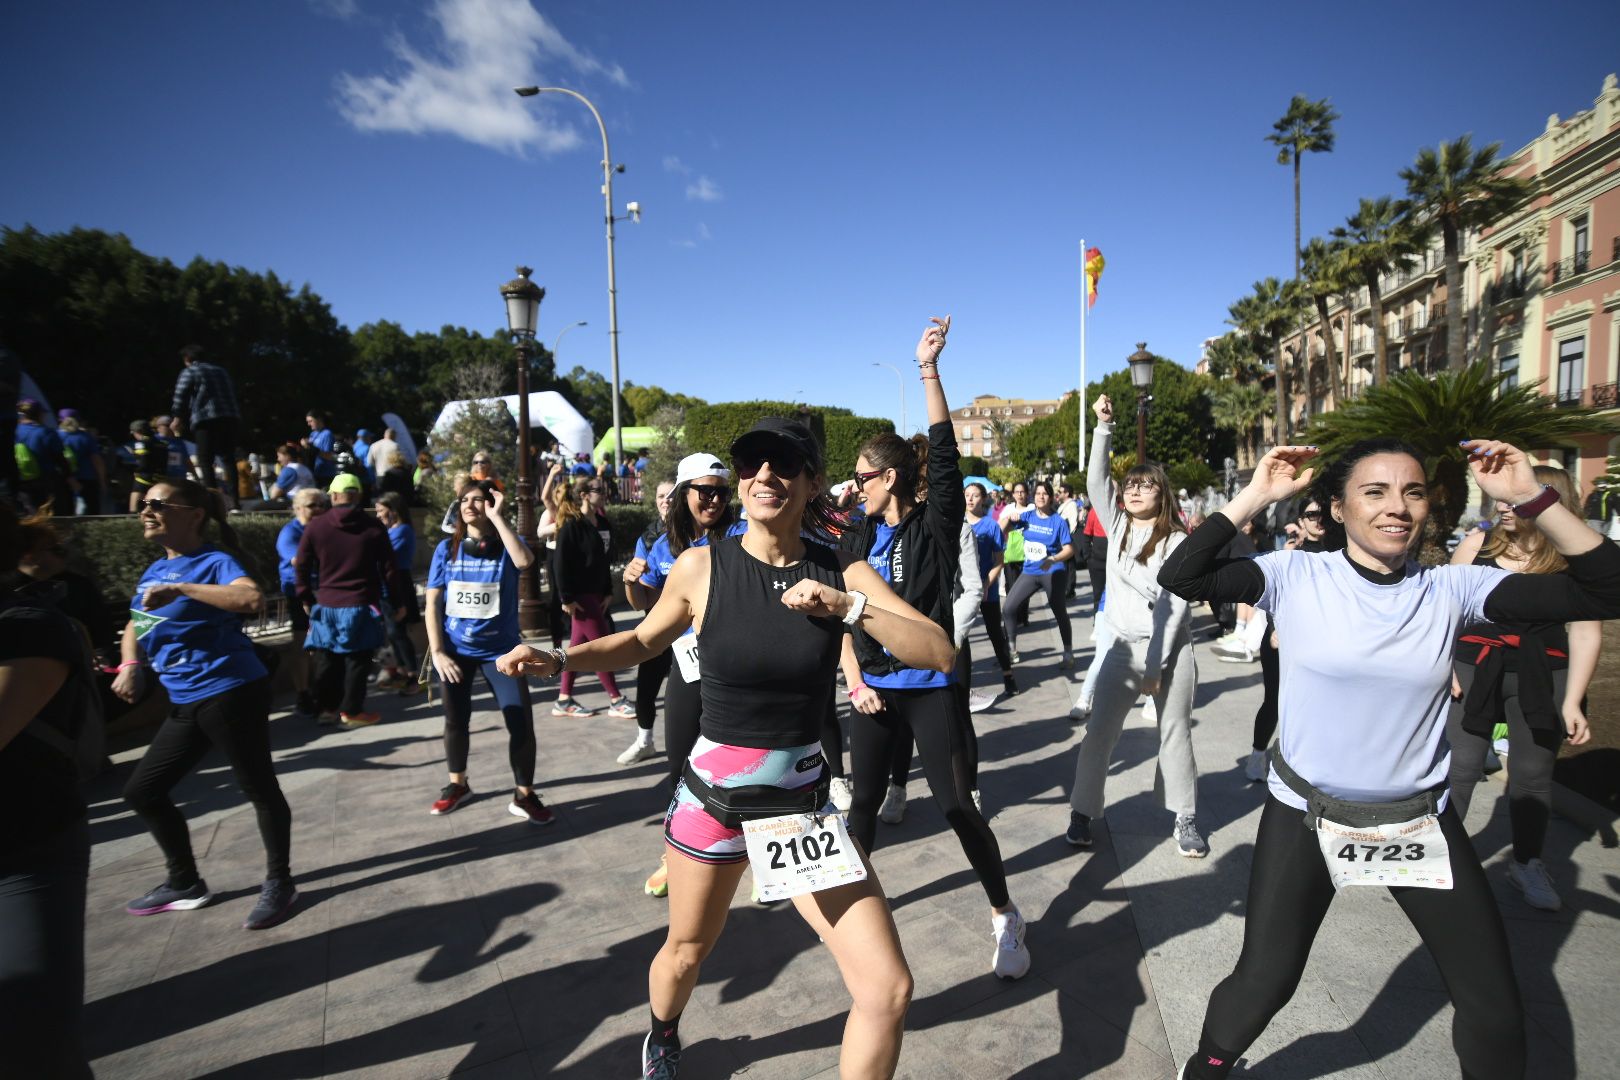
x=115, y=554
x=840, y=432
x=628, y=521
x=845, y=435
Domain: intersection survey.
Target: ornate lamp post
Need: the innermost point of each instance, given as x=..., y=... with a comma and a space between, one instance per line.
x=522, y=316
x=1141, y=362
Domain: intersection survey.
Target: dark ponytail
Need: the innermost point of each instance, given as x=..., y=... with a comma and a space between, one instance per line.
x=212, y=504
x=907, y=457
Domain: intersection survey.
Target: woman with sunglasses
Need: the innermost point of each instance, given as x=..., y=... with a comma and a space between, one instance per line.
x=771, y=609
x=912, y=538
x=472, y=618
x=1150, y=651
x=1370, y=632
x=583, y=582
x=1047, y=545
x=186, y=623
x=700, y=512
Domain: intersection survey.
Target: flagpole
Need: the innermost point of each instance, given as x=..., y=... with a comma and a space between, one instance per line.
x=1082, y=461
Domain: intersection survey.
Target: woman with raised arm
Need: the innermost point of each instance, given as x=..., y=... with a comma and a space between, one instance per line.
x=770, y=610
x=912, y=537
x=1148, y=645
x=1357, y=792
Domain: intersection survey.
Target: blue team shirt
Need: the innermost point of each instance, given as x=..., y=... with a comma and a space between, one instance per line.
x=403, y=540
x=1046, y=536
x=322, y=440
x=660, y=561
x=85, y=450
x=45, y=445
x=197, y=650
x=176, y=463
x=287, y=547
x=987, y=538
x=478, y=639
x=905, y=678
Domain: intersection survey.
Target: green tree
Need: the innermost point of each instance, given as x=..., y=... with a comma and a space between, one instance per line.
x=1380, y=238
x=1241, y=408
x=1458, y=188
x=647, y=400
x=592, y=394
x=1002, y=432
x=1435, y=414
x=1232, y=356
x=1264, y=317
x=1324, y=275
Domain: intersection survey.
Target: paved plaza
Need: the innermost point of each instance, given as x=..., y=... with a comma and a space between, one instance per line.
x=478, y=945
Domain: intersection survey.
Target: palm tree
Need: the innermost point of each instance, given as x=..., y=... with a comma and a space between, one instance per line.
x=1002, y=429
x=1241, y=408
x=1459, y=188
x=1380, y=237
x=1231, y=356
x=1265, y=316
x=1306, y=128
x=1436, y=414
x=1324, y=277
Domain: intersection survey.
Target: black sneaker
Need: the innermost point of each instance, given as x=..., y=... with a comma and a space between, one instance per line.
x=276, y=900
x=306, y=704
x=1079, y=833
x=659, y=1062
x=1009, y=685
x=167, y=898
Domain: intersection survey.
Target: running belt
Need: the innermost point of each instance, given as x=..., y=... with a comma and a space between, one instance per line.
x=1319, y=804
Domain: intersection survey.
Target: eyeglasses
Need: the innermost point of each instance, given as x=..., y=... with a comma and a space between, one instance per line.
x=592, y=489
x=480, y=461
x=786, y=467
x=158, y=506
x=1146, y=487
x=711, y=492
x=862, y=478
x=1311, y=515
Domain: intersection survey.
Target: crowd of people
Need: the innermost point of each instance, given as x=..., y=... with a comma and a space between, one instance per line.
x=766, y=591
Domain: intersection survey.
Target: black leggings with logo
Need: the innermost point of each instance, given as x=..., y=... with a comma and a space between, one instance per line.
x=1289, y=894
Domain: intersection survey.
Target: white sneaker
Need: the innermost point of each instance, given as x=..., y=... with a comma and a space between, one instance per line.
x=638, y=751
x=842, y=793
x=893, y=810
x=978, y=803
x=1012, y=955
x=1255, y=768
x=980, y=700
x=1080, y=712
x=1150, y=711
x=1537, y=886
x=1240, y=654
x=1231, y=647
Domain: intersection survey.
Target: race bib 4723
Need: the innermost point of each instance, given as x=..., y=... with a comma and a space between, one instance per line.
x=1411, y=853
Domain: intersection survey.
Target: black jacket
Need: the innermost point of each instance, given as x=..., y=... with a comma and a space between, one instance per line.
x=584, y=558
x=927, y=548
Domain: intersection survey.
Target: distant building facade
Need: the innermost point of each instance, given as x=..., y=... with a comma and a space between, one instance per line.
x=979, y=424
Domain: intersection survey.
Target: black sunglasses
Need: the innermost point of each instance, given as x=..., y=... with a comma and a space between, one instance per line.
x=863, y=478
x=710, y=492
x=158, y=506
x=1312, y=515
x=788, y=466
x=480, y=461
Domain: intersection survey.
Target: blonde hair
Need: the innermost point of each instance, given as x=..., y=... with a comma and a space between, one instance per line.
x=569, y=500
x=1526, y=541
x=309, y=496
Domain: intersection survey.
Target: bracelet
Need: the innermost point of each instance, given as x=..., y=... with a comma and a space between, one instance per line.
x=856, y=607
x=934, y=377
x=1531, y=507
x=855, y=691
x=560, y=656
x=129, y=664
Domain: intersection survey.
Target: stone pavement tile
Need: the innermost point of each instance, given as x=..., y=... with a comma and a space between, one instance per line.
x=516, y=1067
x=1112, y=981
x=270, y=1040
x=1310, y=1037
x=1407, y=1031
x=574, y=996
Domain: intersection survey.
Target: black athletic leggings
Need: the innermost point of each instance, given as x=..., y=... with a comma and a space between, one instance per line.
x=1097, y=568
x=238, y=722
x=938, y=720
x=512, y=695
x=1018, y=597
x=900, y=767
x=990, y=613
x=340, y=680
x=649, y=677
x=683, y=714
x=1532, y=751
x=1289, y=894
x=1265, y=717
x=42, y=900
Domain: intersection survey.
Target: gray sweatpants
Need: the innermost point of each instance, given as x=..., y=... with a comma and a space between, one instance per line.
x=1119, y=681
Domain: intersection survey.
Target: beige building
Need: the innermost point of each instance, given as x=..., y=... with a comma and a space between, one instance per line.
x=980, y=425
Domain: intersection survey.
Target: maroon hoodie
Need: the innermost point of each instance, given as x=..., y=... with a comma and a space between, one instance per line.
x=348, y=551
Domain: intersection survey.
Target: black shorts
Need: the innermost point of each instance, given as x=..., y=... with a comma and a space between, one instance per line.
x=295, y=610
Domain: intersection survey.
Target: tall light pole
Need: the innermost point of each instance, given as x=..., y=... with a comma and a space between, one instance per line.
x=556, y=342
x=522, y=316
x=1141, y=362
x=901, y=379
x=613, y=289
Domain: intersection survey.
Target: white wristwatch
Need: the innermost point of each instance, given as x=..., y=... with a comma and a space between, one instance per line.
x=856, y=606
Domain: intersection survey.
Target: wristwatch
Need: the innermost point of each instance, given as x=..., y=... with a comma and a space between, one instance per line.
x=1532, y=507
x=857, y=604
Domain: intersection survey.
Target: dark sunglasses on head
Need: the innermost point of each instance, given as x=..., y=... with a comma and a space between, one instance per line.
x=158, y=506
x=786, y=467
x=480, y=461
x=863, y=478
x=710, y=492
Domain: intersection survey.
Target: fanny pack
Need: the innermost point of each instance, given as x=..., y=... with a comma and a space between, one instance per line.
x=731, y=806
x=1319, y=804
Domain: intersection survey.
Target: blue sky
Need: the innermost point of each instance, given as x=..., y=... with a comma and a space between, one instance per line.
x=816, y=180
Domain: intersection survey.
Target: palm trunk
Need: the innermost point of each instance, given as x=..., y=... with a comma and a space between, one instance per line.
x=1349, y=327
x=1335, y=385
x=1282, y=426
x=1296, y=211
x=1380, y=331
x=1456, y=354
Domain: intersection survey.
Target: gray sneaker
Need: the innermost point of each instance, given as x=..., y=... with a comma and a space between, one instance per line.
x=276, y=900
x=1188, y=841
x=167, y=898
x=1532, y=879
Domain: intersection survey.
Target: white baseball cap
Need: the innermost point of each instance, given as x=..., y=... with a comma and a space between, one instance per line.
x=693, y=466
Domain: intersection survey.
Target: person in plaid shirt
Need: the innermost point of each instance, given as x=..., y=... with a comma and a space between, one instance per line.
x=205, y=397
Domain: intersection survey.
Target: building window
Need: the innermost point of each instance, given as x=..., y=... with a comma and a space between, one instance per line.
x=1508, y=365
x=1582, y=241
x=1029, y=410
x=1571, y=370
x=967, y=431
x=986, y=435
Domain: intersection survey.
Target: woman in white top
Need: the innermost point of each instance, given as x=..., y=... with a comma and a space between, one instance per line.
x=1151, y=647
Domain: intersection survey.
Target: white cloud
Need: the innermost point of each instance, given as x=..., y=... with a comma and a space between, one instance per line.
x=703, y=237
x=676, y=165
x=704, y=190
x=464, y=86
x=346, y=10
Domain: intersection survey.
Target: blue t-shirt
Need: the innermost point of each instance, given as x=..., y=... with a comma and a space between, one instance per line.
x=44, y=444
x=362, y=452
x=660, y=561
x=322, y=440
x=1044, y=537
x=177, y=459
x=987, y=538
x=85, y=450
x=287, y=547
x=197, y=650
x=403, y=540
x=905, y=678
x=477, y=638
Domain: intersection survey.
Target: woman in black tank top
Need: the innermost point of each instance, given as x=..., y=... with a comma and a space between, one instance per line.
x=770, y=610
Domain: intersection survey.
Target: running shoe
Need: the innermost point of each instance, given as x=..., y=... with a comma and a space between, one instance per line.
x=1188, y=841
x=1015, y=656
x=410, y=688
x=978, y=803
x=570, y=707
x=1239, y=654
x=1080, y=712
x=659, y=1062
x=841, y=793
x=529, y=806
x=1254, y=770
x=1012, y=955
x=328, y=718
x=637, y=751
x=980, y=700
x=392, y=680
x=1068, y=659
x=622, y=709
x=1232, y=646
x=359, y=720
x=1532, y=879
x=167, y=898
x=276, y=900
x=1008, y=684
x=1079, y=833
x=451, y=796
x=306, y=704
x=658, y=882
x=893, y=810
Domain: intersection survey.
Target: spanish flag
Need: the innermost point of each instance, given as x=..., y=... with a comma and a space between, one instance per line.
x=1094, y=269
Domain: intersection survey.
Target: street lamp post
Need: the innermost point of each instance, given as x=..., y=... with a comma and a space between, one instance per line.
x=901, y=379
x=1141, y=362
x=613, y=289
x=522, y=316
x=556, y=342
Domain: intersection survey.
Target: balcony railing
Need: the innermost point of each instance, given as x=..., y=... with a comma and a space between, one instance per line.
x=1507, y=289
x=1578, y=263
x=1362, y=344
x=1603, y=396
